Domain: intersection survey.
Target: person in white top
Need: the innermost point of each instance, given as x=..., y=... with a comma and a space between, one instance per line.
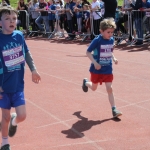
x=96, y=16
x=95, y=7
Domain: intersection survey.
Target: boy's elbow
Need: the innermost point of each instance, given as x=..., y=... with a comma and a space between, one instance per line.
x=87, y=53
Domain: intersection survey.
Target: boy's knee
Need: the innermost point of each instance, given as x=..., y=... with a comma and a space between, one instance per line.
x=94, y=88
x=109, y=90
x=21, y=117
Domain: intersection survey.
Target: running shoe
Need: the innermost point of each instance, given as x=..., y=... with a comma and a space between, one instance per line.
x=116, y=113
x=5, y=147
x=12, y=129
x=84, y=87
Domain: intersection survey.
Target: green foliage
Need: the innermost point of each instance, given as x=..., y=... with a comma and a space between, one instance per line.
x=13, y=3
x=120, y=2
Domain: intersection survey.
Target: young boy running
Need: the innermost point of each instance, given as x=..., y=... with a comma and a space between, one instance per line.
x=101, y=62
x=13, y=55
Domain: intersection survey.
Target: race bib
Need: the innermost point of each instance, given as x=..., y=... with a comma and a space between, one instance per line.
x=148, y=14
x=13, y=57
x=105, y=54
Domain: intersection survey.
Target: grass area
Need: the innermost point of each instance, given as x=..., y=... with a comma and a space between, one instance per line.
x=14, y=3
x=120, y=2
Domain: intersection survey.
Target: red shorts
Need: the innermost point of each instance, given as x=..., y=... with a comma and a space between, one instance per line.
x=88, y=26
x=99, y=78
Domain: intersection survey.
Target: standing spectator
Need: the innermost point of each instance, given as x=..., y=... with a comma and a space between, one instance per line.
x=78, y=11
x=61, y=19
x=43, y=17
x=74, y=17
x=34, y=14
x=58, y=23
x=124, y=18
x=138, y=18
x=146, y=19
x=95, y=8
x=22, y=7
x=86, y=19
x=51, y=14
x=110, y=8
x=69, y=20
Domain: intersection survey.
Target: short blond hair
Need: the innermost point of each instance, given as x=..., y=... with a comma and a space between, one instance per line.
x=86, y=5
x=107, y=24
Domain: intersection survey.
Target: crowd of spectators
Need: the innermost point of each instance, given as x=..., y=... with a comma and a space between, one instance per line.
x=57, y=17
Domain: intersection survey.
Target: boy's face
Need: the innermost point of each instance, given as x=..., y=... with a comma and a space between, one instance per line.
x=107, y=34
x=85, y=8
x=8, y=22
x=41, y=1
x=67, y=1
x=144, y=1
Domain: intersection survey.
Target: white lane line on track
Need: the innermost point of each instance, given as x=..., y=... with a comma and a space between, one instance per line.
x=65, y=124
x=84, y=54
x=133, y=104
x=81, y=143
x=127, y=75
x=129, y=103
x=59, y=122
x=70, y=51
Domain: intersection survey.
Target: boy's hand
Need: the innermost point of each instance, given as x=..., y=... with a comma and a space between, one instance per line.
x=36, y=78
x=97, y=66
x=115, y=61
x=1, y=90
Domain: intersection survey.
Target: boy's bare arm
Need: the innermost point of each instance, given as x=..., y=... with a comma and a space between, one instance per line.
x=96, y=65
x=114, y=59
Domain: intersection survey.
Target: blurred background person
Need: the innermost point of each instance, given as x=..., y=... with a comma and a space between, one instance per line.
x=33, y=4
x=22, y=8
x=110, y=7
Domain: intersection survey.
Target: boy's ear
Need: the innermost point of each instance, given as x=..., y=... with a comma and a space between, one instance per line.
x=101, y=31
x=0, y=23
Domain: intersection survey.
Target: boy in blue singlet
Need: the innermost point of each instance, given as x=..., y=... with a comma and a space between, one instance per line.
x=13, y=55
x=101, y=62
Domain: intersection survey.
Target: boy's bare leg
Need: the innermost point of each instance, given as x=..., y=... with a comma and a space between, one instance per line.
x=16, y=118
x=21, y=113
x=91, y=85
x=109, y=89
x=110, y=93
x=86, y=84
x=4, y=125
x=5, y=122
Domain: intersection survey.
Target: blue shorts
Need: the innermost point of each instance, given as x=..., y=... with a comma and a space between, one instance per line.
x=12, y=100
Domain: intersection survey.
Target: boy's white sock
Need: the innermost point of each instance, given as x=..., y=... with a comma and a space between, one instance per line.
x=114, y=107
x=14, y=123
x=4, y=141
